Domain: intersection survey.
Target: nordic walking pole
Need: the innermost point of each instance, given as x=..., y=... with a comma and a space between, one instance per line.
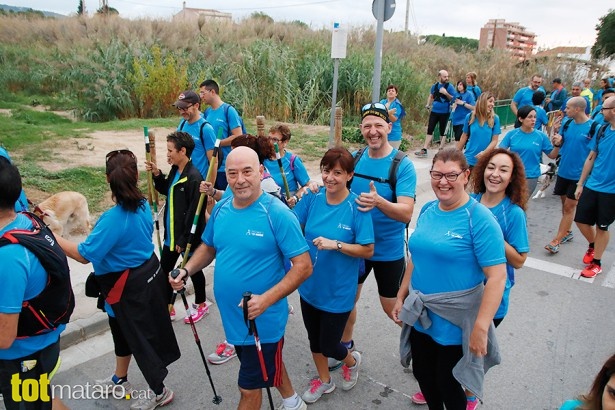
x=277, y=156
x=213, y=164
x=217, y=399
x=150, y=188
x=252, y=331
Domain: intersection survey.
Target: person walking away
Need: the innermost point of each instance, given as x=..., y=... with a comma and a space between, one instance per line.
x=131, y=281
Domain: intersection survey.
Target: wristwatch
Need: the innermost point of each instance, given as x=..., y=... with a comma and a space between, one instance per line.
x=339, y=245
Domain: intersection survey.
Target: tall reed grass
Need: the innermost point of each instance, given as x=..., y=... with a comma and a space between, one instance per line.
x=110, y=67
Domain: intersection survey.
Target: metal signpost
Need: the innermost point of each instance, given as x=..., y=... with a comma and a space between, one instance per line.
x=339, y=40
x=383, y=10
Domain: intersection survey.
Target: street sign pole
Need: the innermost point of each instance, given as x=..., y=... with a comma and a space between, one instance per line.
x=379, y=14
x=339, y=41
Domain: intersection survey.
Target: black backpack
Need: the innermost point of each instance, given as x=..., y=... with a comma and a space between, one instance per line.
x=392, y=179
x=54, y=305
x=437, y=96
x=592, y=130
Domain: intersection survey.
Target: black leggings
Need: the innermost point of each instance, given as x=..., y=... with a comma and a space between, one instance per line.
x=325, y=330
x=432, y=365
x=167, y=262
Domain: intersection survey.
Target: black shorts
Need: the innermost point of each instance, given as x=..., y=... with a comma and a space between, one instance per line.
x=565, y=186
x=441, y=118
x=388, y=275
x=122, y=349
x=457, y=131
x=44, y=362
x=596, y=208
x=250, y=371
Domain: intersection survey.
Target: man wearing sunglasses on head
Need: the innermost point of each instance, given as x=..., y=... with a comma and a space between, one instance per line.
x=389, y=198
x=189, y=106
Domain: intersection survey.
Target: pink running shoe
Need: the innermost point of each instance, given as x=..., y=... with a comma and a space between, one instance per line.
x=197, y=312
x=418, y=398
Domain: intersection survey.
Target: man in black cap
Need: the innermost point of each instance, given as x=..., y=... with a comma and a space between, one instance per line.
x=555, y=101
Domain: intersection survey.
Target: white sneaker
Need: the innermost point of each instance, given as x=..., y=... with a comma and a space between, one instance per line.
x=351, y=374
x=224, y=352
x=117, y=390
x=336, y=364
x=154, y=401
x=317, y=389
x=300, y=405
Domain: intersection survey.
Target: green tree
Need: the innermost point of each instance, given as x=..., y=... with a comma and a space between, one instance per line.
x=81, y=8
x=604, y=46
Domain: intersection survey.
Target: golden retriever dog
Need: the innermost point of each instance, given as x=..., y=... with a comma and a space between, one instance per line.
x=65, y=212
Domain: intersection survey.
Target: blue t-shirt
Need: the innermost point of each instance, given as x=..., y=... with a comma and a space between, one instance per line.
x=444, y=241
x=389, y=233
x=602, y=178
x=574, y=150
x=541, y=118
x=395, y=134
x=480, y=136
x=199, y=155
x=530, y=147
x=222, y=129
x=461, y=112
x=23, y=278
x=524, y=95
x=475, y=91
x=444, y=106
x=296, y=175
x=571, y=405
x=332, y=287
x=513, y=222
x=251, y=244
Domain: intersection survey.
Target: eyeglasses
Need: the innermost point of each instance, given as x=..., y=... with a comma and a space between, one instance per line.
x=606, y=108
x=119, y=151
x=377, y=105
x=185, y=108
x=274, y=139
x=451, y=176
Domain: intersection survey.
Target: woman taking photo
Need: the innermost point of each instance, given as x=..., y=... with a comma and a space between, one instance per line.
x=338, y=235
x=447, y=312
x=464, y=104
x=483, y=125
x=530, y=144
x=131, y=281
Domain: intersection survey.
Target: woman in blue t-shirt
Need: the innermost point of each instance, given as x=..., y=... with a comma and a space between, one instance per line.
x=339, y=236
x=396, y=114
x=456, y=246
x=464, y=104
x=530, y=144
x=128, y=274
x=481, y=129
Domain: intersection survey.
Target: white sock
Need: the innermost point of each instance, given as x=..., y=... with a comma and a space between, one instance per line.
x=292, y=401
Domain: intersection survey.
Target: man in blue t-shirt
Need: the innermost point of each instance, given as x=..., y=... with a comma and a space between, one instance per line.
x=32, y=360
x=558, y=96
x=390, y=211
x=439, y=101
x=576, y=137
x=250, y=234
x=596, y=192
x=225, y=121
x=523, y=96
x=189, y=104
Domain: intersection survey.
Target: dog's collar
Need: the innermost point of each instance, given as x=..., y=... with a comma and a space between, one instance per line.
x=39, y=212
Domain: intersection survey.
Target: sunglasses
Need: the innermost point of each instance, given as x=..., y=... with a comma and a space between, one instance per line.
x=378, y=106
x=112, y=154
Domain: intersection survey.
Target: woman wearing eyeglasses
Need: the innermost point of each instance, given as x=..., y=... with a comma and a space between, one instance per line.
x=446, y=310
x=530, y=144
x=131, y=282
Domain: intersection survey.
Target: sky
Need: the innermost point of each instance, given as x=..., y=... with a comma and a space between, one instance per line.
x=557, y=23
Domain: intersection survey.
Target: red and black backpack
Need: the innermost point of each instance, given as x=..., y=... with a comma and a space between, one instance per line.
x=54, y=305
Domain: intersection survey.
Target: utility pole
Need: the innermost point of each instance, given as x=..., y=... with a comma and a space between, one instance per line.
x=407, y=17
